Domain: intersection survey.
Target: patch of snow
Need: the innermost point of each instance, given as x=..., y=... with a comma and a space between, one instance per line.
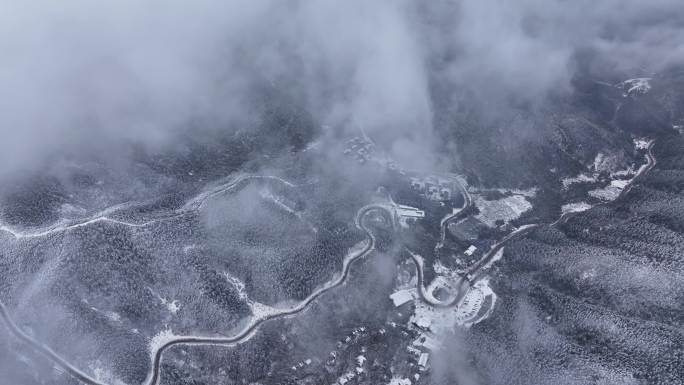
x=238, y=285
x=69, y=210
x=399, y=381
x=427, y=341
x=609, y=163
x=440, y=282
x=348, y=376
x=529, y=193
x=403, y=296
x=581, y=178
x=637, y=86
x=442, y=270
x=485, y=291
x=162, y=338
x=591, y=273
x=621, y=174
x=641, y=143
x=407, y=214
x=188, y=248
x=496, y=257
x=313, y=145
x=598, y=161
x=173, y=306
x=277, y=200
x=423, y=318
x=439, y=320
x=505, y=209
x=104, y=375
x=470, y=250
x=575, y=207
x=259, y=310
x=610, y=192
x=114, y=316
x=422, y=361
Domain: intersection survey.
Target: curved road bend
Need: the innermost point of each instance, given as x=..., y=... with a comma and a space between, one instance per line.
x=475, y=272
x=444, y=224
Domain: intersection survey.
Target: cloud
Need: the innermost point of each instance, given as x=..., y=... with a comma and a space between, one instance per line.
x=79, y=74
x=75, y=73
x=527, y=48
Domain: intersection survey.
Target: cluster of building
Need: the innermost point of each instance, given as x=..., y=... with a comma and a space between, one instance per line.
x=360, y=149
x=407, y=215
x=422, y=346
x=435, y=188
x=425, y=343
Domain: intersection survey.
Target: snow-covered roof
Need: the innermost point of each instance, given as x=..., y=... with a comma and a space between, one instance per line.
x=402, y=296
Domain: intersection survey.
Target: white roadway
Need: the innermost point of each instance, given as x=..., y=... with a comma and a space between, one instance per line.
x=193, y=205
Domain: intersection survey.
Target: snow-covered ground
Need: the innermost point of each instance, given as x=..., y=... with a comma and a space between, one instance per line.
x=403, y=296
x=258, y=309
x=399, y=381
x=530, y=192
x=505, y=209
x=103, y=374
x=162, y=338
x=496, y=257
x=172, y=306
x=634, y=87
x=610, y=192
x=466, y=314
x=581, y=178
x=620, y=179
x=575, y=207
x=641, y=143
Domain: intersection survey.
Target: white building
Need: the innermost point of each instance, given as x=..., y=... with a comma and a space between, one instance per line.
x=427, y=341
x=470, y=250
x=407, y=214
x=423, y=359
x=402, y=296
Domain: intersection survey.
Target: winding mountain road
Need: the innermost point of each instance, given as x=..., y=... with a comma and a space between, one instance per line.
x=474, y=273
x=457, y=214
x=243, y=335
